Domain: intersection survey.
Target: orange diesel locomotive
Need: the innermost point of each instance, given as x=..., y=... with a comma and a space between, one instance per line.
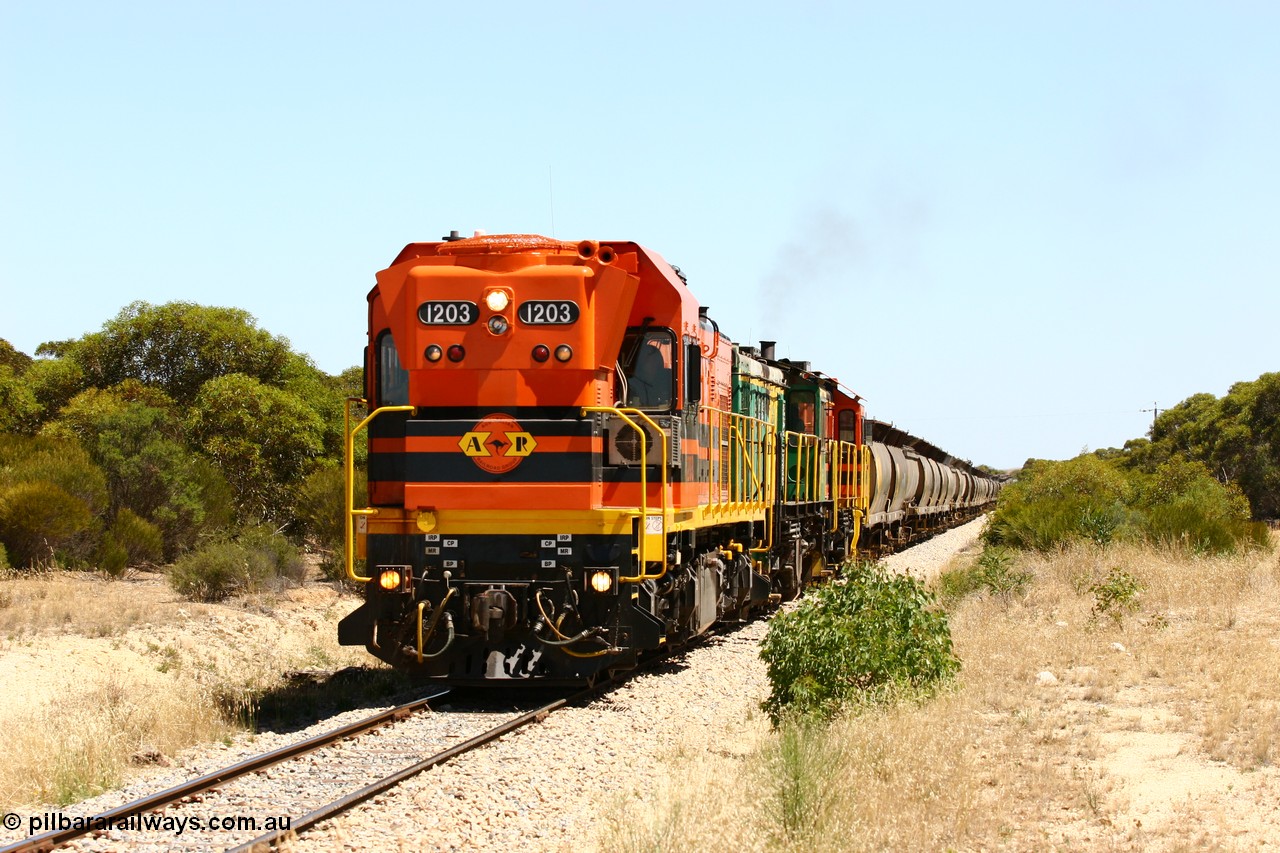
x=569, y=464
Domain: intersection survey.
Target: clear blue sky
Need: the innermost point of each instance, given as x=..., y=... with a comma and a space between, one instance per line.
x=1010, y=226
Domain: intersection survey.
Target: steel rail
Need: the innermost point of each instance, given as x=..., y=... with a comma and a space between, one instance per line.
x=56, y=838
x=269, y=840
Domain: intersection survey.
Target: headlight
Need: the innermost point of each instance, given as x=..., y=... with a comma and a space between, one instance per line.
x=498, y=324
x=389, y=579
x=601, y=581
x=497, y=300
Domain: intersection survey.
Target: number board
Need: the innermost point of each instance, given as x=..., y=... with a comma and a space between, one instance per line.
x=546, y=312
x=448, y=313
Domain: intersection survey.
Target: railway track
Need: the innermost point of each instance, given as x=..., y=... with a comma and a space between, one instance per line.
x=196, y=793
x=337, y=807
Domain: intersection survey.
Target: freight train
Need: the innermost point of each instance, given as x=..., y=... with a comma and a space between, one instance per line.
x=569, y=465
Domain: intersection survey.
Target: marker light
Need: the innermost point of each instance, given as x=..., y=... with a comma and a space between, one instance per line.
x=541, y=353
x=389, y=579
x=497, y=300
x=434, y=353
x=498, y=324
x=564, y=352
x=457, y=353
x=601, y=581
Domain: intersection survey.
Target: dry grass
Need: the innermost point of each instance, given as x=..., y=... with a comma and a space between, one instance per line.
x=63, y=752
x=1207, y=628
x=1003, y=761
x=96, y=672
x=82, y=603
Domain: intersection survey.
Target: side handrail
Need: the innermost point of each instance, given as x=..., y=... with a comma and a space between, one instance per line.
x=771, y=489
x=864, y=483
x=734, y=483
x=845, y=477
x=349, y=478
x=623, y=414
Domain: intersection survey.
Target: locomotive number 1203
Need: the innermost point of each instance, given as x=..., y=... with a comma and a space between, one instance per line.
x=447, y=313
x=548, y=313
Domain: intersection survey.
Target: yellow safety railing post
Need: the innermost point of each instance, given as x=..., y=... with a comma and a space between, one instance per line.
x=349, y=478
x=642, y=556
x=833, y=482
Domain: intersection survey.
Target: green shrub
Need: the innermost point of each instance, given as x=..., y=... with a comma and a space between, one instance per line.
x=141, y=540
x=53, y=382
x=272, y=555
x=957, y=584
x=803, y=761
x=133, y=435
x=199, y=504
x=1116, y=595
x=1181, y=504
x=211, y=573
x=258, y=558
x=19, y=410
x=4, y=558
x=263, y=439
x=111, y=557
x=871, y=638
x=40, y=523
x=1053, y=502
x=997, y=573
x=994, y=572
x=60, y=461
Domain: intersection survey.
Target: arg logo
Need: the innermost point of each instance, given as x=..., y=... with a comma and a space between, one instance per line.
x=497, y=443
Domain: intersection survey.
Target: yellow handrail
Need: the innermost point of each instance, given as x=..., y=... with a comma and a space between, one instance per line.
x=349, y=478
x=664, y=465
x=741, y=460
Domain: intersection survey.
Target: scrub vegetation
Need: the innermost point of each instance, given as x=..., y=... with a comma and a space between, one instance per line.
x=1091, y=499
x=177, y=433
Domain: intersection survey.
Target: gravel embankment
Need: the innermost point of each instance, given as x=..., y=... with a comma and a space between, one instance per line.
x=926, y=560
x=290, y=788
x=546, y=787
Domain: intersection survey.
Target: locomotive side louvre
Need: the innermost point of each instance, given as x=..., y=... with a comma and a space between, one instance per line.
x=569, y=464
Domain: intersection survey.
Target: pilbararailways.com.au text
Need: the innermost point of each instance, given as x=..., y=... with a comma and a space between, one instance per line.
x=58, y=822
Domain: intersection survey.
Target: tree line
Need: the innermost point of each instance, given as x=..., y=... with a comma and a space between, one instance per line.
x=1235, y=437
x=173, y=427
x=1206, y=477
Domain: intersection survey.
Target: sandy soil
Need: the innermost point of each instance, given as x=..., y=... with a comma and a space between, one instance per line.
x=292, y=629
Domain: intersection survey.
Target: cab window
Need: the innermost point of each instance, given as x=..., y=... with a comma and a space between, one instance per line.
x=647, y=359
x=393, y=380
x=801, y=412
x=848, y=425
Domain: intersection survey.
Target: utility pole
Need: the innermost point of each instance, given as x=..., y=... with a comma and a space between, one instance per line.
x=1155, y=410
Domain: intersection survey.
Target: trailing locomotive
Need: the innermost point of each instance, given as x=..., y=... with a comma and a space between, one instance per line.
x=570, y=465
